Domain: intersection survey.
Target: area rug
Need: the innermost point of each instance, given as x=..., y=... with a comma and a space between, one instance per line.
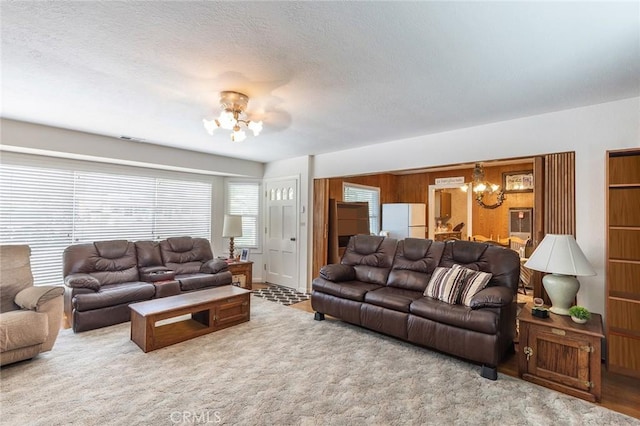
x=281, y=368
x=279, y=294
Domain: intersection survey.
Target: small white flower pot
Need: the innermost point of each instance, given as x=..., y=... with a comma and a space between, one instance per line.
x=578, y=320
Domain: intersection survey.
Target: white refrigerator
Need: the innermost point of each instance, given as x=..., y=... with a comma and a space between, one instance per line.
x=405, y=220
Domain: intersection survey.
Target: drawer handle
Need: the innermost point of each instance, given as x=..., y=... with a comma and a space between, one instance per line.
x=558, y=331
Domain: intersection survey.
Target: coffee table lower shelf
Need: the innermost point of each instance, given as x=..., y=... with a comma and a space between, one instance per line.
x=157, y=323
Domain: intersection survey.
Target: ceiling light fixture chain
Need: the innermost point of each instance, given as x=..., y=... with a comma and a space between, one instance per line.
x=481, y=188
x=233, y=114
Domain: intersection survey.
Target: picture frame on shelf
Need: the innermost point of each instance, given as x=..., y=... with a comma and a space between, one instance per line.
x=519, y=181
x=244, y=255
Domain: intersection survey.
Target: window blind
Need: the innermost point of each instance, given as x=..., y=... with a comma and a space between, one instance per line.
x=369, y=194
x=50, y=209
x=182, y=208
x=36, y=208
x=243, y=198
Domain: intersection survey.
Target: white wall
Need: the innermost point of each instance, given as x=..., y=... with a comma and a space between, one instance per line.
x=589, y=131
x=45, y=140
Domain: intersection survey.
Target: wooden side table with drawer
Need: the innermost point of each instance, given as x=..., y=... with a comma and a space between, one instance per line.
x=558, y=353
x=243, y=268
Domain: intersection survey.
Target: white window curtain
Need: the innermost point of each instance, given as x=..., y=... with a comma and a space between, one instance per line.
x=243, y=198
x=369, y=194
x=50, y=209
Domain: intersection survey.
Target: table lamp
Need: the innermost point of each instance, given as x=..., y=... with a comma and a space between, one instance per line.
x=231, y=228
x=561, y=256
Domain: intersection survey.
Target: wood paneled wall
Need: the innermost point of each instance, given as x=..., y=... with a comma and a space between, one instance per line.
x=386, y=182
x=496, y=221
x=560, y=194
x=413, y=188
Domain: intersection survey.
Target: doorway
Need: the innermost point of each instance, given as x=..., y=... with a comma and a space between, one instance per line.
x=282, y=202
x=460, y=207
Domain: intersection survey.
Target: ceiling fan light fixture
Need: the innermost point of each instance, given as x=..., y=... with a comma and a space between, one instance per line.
x=255, y=127
x=233, y=115
x=238, y=135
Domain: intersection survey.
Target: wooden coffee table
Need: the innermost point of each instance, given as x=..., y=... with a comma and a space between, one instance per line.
x=156, y=323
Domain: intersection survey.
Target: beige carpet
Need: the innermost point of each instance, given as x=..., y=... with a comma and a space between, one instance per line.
x=281, y=368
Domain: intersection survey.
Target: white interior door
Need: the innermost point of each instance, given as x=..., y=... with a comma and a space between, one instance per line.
x=282, y=232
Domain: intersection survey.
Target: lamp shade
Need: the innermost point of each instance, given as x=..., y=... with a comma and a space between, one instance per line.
x=560, y=254
x=232, y=226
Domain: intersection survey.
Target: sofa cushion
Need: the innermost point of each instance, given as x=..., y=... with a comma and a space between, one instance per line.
x=415, y=261
x=185, y=255
x=148, y=253
x=114, y=294
x=110, y=262
x=196, y=281
x=16, y=274
x=371, y=256
x=501, y=262
x=445, y=284
x=19, y=329
x=392, y=298
x=473, y=282
x=481, y=320
x=353, y=290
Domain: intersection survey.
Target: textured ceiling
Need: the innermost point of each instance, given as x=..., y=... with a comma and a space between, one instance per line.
x=324, y=76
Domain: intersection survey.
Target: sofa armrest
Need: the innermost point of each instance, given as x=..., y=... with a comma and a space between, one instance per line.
x=337, y=272
x=492, y=297
x=33, y=297
x=214, y=266
x=82, y=281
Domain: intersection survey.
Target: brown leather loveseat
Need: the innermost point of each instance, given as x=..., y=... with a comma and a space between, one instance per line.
x=102, y=278
x=424, y=292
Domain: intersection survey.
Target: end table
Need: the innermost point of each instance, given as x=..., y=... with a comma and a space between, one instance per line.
x=558, y=353
x=242, y=268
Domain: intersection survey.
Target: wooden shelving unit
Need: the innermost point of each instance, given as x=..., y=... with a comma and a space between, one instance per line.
x=623, y=262
x=345, y=220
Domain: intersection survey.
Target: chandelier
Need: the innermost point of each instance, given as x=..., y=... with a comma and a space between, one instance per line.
x=482, y=188
x=232, y=116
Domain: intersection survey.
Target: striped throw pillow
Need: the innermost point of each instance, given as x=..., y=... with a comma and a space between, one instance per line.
x=473, y=282
x=445, y=284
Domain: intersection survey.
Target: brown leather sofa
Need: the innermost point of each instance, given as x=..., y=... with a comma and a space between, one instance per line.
x=380, y=284
x=102, y=278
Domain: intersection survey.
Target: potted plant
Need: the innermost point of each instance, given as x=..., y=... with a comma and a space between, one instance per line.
x=579, y=314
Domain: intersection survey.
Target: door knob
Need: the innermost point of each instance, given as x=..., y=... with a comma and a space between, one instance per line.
x=292, y=238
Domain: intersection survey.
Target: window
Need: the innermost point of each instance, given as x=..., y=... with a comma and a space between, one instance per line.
x=50, y=209
x=36, y=208
x=243, y=198
x=370, y=194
